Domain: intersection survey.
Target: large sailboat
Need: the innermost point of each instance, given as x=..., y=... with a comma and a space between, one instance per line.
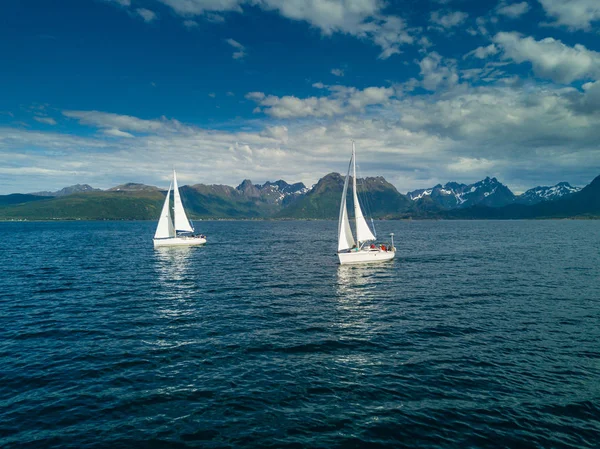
x=177, y=232
x=363, y=249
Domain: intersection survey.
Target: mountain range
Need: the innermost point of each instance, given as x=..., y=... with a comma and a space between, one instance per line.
x=488, y=192
x=488, y=198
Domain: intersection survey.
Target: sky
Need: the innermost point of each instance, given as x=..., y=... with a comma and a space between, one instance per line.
x=111, y=91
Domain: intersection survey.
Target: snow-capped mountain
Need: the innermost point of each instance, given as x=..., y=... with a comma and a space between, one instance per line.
x=283, y=187
x=278, y=192
x=488, y=192
x=544, y=193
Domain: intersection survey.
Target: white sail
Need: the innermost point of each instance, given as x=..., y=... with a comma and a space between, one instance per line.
x=181, y=220
x=345, y=238
x=165, y=224
x=363, y=232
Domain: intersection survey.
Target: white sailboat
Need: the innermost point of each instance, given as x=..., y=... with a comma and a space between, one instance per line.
x=181, y=232
x=363, y=250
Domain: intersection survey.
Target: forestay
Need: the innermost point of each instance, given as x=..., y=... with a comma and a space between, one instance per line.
x=181, y=220
x=165, y=229
x=363, y=232
x=345, y=238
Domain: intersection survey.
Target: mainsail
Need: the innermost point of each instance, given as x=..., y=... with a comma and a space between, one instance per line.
x=363, y=232
x=181, y=220
x=345, y=238
x=165, y=224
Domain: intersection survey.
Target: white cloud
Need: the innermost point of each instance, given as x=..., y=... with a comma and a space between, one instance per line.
x=190, y=24
x=241, y=50
x=461, y=133
x=480, y=21
x=279, y=133
x=436, y=72
x=513, y=10
x=483, y=52
x=425, y=43
x=146, y=14
x=45, y=120
x=550, y=58
x=574, y=14
x=198, y=7
x=113, y=132
x=363, y=19
x=342, y=100
x=108, y=120
x=337, y=72
x=448, y=20
x=121, y=2
x=471, y=164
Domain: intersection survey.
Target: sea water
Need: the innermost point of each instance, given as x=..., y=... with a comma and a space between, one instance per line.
x=479, y=334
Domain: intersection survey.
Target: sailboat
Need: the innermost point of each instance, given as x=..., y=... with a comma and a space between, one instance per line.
x=363, y=249
x=177, y=232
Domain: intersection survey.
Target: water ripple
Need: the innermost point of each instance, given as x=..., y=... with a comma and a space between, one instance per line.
x=480, y=334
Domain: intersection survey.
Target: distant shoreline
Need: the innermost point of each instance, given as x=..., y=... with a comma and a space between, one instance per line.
x=58, y=220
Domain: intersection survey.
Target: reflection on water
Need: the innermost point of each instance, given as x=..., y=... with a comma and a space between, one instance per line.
x=177, y=280
x=355, y=282
x=356, y=290
x=172, y=263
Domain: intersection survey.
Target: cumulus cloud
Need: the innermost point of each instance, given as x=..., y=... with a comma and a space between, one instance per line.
x=337, y=72
x=550, y=58
x=240, y=49
x=342, y=100
x=363, y=19
x=513, y=10
x=574, y=14
x=449, y=19
x=437, y=72
x=460, y=133
x=146, y=14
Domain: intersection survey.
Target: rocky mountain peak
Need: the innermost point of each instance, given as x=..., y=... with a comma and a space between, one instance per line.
x=248, y=189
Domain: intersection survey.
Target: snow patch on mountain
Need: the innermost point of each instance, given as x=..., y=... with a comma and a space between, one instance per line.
x=488, y=192
x=546, y=193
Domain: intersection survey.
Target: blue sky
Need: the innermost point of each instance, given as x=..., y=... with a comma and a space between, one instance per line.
x=111, y=91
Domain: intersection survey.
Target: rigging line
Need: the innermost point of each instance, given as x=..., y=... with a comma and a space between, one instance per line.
x=363, y=196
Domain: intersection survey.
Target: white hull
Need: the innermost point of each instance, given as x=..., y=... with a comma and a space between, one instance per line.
x=180, y=241
x=365, y=256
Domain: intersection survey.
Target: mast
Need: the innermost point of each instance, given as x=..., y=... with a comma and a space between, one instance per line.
x=363, y=233
x=165, y=228
x=181, y=221
x=355, y=193
x=345, y=238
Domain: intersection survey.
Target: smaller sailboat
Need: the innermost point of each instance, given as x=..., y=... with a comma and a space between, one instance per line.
x=364, y=249
x=177, y=232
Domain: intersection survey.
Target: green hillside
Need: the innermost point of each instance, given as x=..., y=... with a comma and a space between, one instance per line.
x=90, y=206
x=220, y=201
x=19, y=198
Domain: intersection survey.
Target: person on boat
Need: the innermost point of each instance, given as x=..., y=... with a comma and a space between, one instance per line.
x=383, y=248
x=372, y=246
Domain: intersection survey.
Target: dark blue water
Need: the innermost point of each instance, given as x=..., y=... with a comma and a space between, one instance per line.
x=479, y=334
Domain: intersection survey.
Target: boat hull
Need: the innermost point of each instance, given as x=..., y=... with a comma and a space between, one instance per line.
x=180, y=241
x=365, y=256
